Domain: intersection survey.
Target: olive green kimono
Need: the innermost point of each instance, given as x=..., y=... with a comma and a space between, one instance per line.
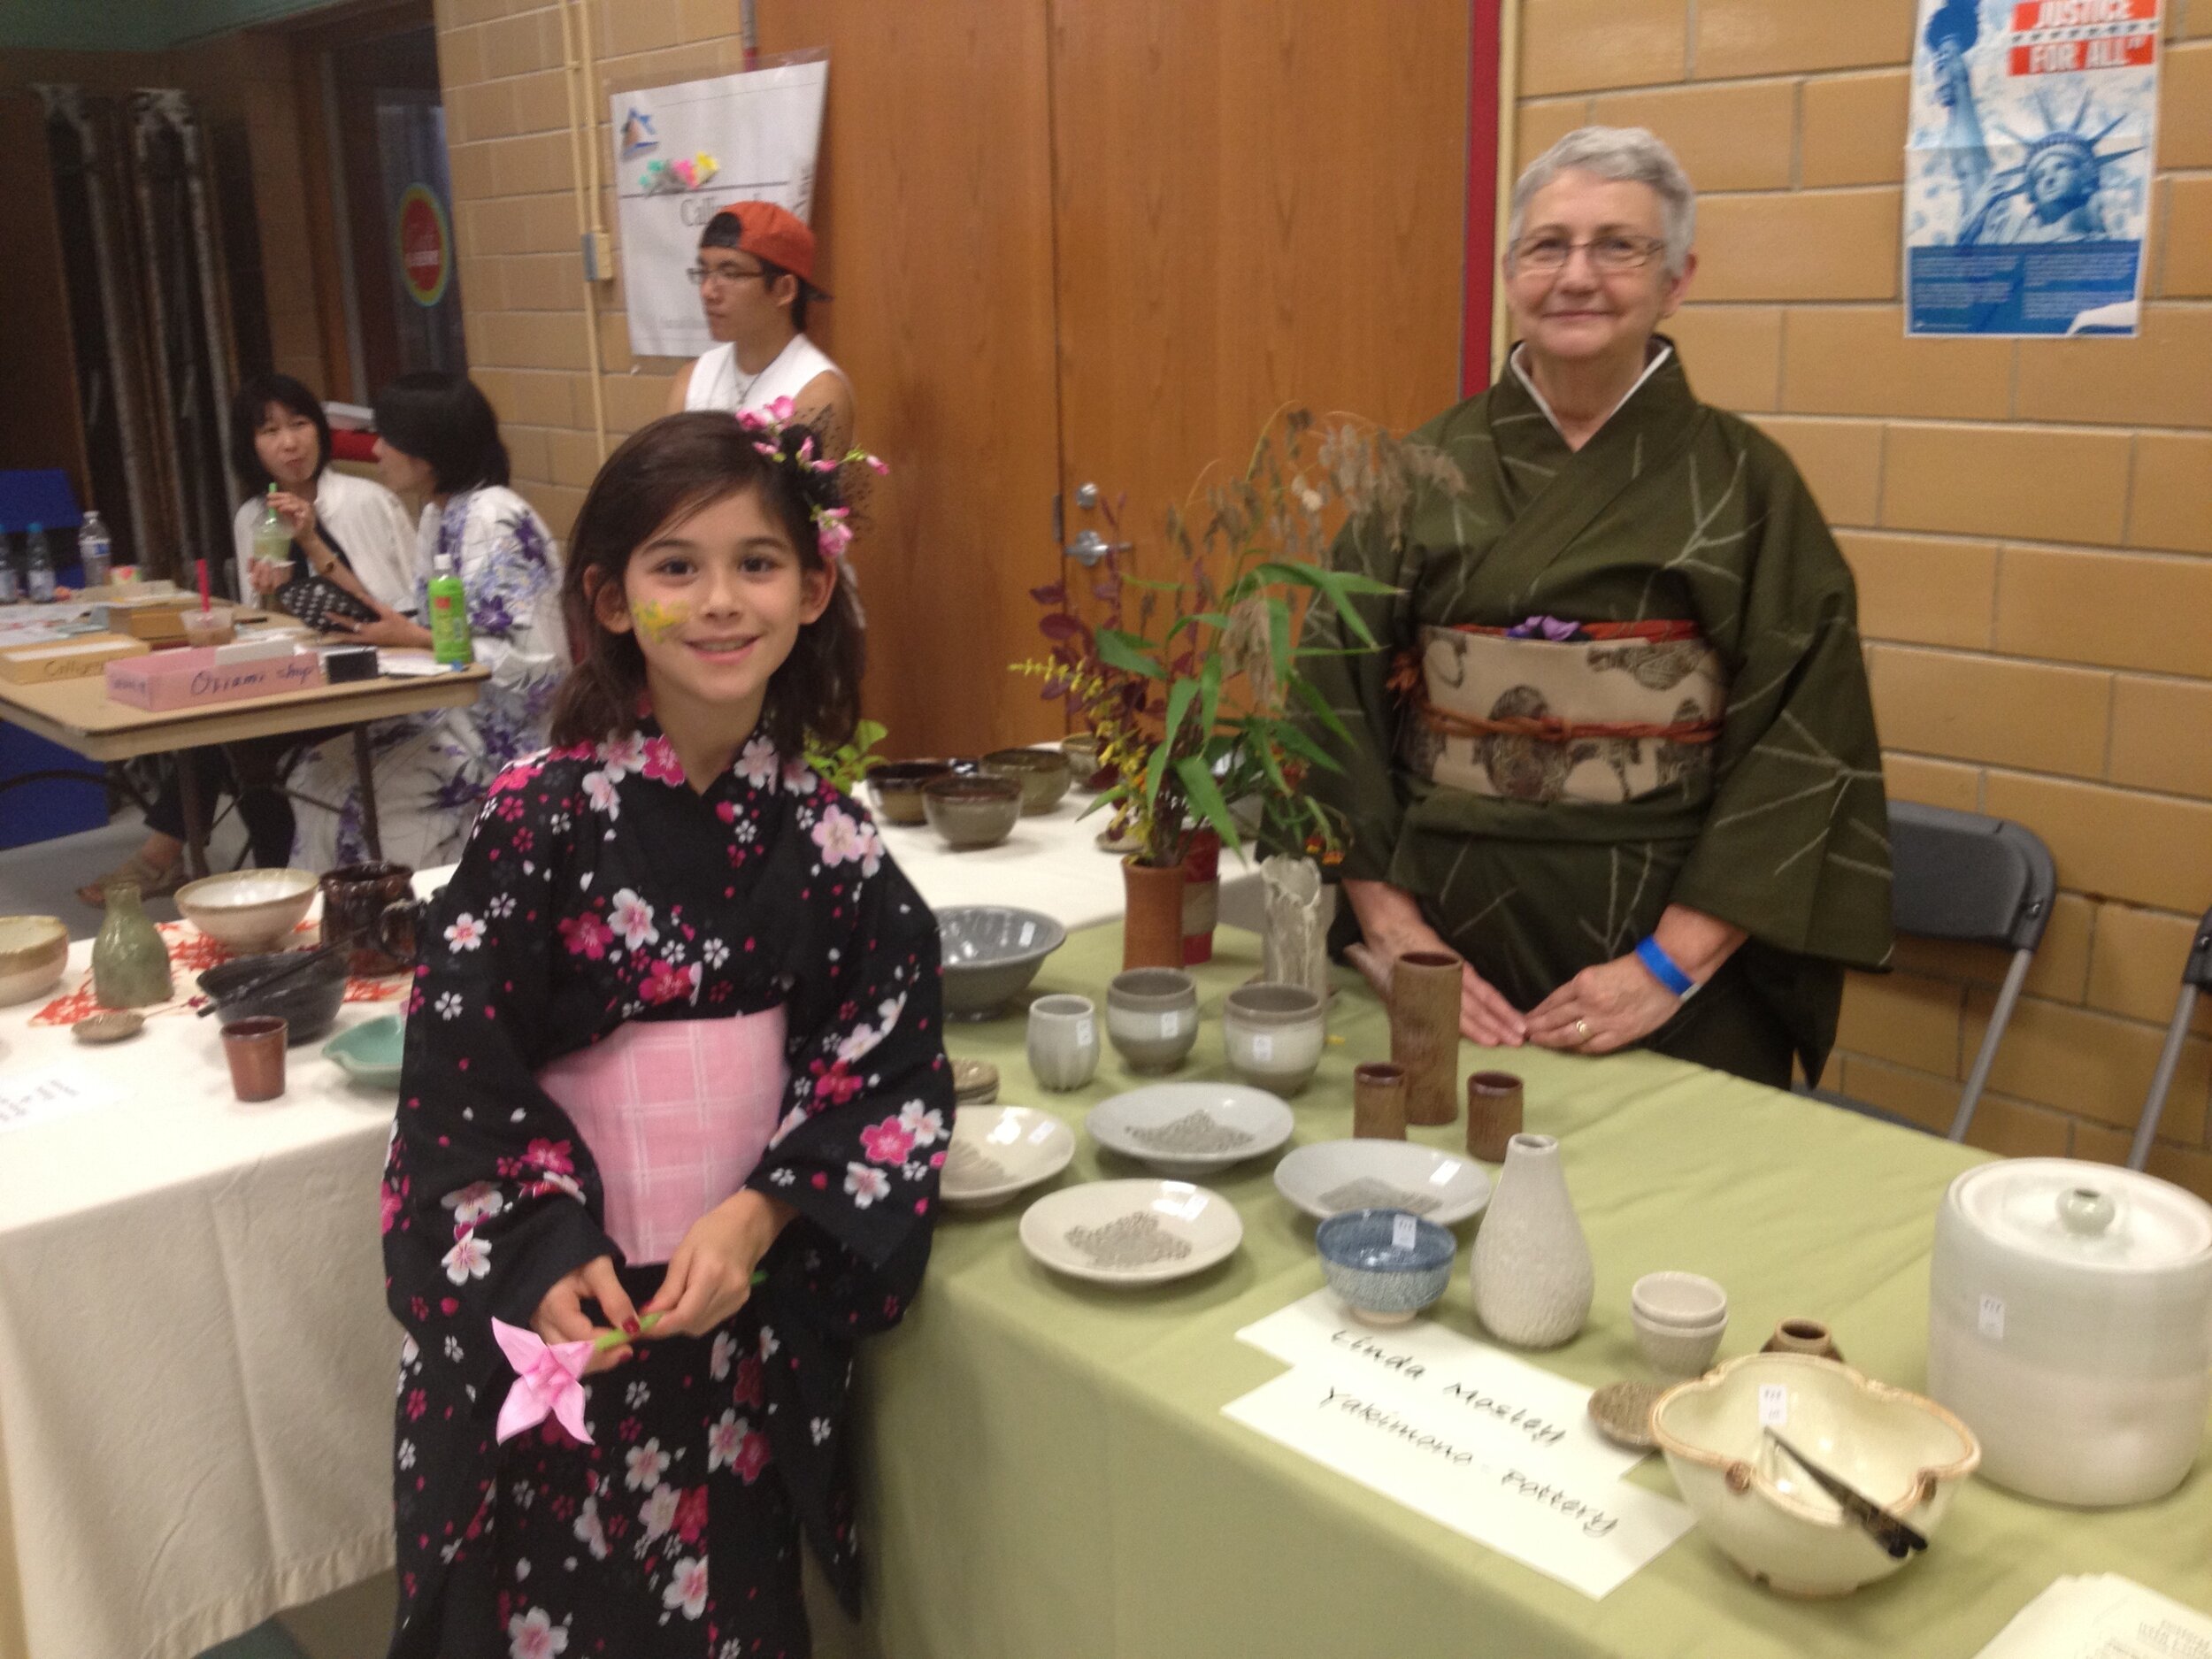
x=1673, y=513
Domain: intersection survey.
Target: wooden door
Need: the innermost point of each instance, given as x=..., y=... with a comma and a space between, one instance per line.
x=934, y=211
x=1257, y=202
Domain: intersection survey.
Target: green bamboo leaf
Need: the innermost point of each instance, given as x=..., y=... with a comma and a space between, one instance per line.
x=1127, y=652
x=1299, y=744
x=1205, y=798
x=1323, y=712
x=1179, y=702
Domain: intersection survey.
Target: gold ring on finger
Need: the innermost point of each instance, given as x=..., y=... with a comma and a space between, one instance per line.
x=1582, y=1031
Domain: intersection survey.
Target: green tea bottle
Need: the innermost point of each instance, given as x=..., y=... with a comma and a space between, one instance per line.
x=448, y=616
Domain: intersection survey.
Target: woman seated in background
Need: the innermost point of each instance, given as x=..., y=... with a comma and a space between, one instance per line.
x=438, y=439
x=351, y=529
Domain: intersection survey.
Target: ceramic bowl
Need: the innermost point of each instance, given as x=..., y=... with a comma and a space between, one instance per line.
x=894, y=789
x=1000, y=1150
x=1191, y=1128
x=1331, y=1177
x=372, y=1051
x=1131, y=1233
x=248, y=911
x=1091, y=775
x=1274, y=1034
x=307, y=1002
x=1152, y=1018
x=1044, y=774
x=991, y=953
x=1684, y=1300
x=1762, y=1512
x=1387, y=1264
x=1678, y=1351
x=33, y=951
x=971, y=811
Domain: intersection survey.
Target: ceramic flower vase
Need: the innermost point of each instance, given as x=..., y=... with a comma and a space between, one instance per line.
x=1298, y=910
x=1152, y=917
x=1202, y=897
x=130, y=963
x=1531, y=1275
x=1424, y=1032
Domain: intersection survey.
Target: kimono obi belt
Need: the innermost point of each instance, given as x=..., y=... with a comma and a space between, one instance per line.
x=1629, y=711
x=677, y=1113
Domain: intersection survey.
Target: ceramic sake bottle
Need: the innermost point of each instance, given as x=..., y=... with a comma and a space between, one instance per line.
x=130, y=963
x=1532, y=1276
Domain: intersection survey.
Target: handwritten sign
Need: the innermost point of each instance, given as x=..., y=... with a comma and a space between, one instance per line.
x=34, y=1096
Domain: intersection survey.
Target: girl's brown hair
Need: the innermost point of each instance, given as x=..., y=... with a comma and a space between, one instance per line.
x=668, y=470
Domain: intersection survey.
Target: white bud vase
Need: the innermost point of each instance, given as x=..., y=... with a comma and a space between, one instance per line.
x=1294, y=945
x=1531, y=1275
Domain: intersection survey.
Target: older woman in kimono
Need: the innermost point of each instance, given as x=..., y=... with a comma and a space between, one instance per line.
x=1618, y=751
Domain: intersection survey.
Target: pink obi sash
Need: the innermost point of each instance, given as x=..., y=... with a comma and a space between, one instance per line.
x=677, y=1113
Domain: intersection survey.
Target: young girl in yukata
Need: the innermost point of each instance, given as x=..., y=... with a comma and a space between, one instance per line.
x=677, y=1019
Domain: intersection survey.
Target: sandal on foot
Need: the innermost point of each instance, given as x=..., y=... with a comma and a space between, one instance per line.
x=152, y=880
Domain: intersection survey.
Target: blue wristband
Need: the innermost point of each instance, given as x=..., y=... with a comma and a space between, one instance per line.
x=1663, y=967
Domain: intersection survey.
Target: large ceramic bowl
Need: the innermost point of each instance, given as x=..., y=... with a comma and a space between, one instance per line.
x=991, y=953
x=1387, y=1264
x=971, y=811
x=248, y=911
x=1763, y=1511
x=307, y=1002
x=1044, y=774
x=34, y=950
x=895, y=788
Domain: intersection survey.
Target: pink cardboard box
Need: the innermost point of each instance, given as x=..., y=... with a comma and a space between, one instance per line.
x=180, y=679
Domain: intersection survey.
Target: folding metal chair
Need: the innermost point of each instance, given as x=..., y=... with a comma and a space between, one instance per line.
x=1986, y=880
x=2196, y=975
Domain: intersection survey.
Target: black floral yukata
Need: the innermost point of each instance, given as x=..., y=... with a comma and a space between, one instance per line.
x=599, y=887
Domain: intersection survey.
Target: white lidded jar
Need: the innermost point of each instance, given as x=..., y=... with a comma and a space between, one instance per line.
x=2069, y=1324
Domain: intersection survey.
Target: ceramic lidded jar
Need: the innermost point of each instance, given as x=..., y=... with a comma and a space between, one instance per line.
x=1532, y=1276
x=2069, y=1324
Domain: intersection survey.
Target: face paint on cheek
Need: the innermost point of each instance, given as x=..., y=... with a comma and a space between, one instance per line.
x=658, y=620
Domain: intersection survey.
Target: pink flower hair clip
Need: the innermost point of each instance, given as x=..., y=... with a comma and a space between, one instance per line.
x=773, y=429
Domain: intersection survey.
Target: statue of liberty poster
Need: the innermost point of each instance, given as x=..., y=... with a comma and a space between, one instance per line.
x=2027, y=166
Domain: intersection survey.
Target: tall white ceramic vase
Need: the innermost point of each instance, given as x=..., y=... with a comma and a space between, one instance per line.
x=1531, y=1275
x=1295, y=944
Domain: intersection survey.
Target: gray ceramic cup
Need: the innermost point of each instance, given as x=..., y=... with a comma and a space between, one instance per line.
x=1064, y=1041
x=1152, y=1018
x=1274, y=1034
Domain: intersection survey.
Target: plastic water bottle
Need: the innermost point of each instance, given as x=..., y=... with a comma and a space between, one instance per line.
x=450, y=640
x=8, y=594
x=272, y=536
x=40, y=575
x=95, y=551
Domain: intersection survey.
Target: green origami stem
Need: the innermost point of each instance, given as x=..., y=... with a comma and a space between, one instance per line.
x=608, y=1339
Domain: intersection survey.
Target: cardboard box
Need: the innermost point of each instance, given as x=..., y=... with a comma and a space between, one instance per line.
x=183, y=679
x=157, y=621
x=66, y=659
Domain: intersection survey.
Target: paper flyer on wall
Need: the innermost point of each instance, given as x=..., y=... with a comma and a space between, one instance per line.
x=2027, y=166
x=684, y=153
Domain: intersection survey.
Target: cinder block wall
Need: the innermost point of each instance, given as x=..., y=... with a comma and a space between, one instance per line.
x=2031, y=523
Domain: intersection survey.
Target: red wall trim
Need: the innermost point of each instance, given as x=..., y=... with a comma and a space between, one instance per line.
x=1484, y=79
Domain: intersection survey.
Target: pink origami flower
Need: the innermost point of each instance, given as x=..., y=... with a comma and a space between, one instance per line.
x=547, y=1381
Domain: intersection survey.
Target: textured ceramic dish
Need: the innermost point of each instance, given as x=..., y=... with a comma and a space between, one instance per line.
x=1331, y=1177
x=1387, y=1264
x=991, y=953
x=972, y=812
x=1764, y=1512
x=896, y=789
x=1000, y=1150
x=117, y=1025
x=1131, y=1233
x=1621, y=1411
x=1044, y=775
x=1273, y=1035
x=34, y=950
x=974, y=1083
x=1152, y=1018
x=307, y=1002
x=1191, y=1128
x=248, y=911
x=371, y=1052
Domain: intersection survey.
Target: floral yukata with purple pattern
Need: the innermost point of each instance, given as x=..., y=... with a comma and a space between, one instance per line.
x=599, y=887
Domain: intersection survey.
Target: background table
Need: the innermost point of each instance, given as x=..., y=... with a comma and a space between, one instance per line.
x=1049, y=1472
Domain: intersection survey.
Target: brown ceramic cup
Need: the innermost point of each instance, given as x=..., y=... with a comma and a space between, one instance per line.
x=1424, y=1032
x=1378, y=1102
x=354, y=900
x=1494, y=1114
x=255, y=1049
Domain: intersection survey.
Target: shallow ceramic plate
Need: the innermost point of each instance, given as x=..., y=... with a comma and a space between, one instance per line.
x=372, y=1050
x=1131, y=1233
x=1000, y=1150
x=1189, y=1128
x=1331, y=1177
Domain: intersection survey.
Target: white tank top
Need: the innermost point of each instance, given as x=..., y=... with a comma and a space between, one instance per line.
x=716, y=382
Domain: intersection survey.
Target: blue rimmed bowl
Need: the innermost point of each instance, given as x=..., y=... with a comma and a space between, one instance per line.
x=1384, y=1276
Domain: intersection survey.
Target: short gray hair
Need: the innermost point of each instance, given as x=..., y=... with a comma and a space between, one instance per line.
x=1628, y=155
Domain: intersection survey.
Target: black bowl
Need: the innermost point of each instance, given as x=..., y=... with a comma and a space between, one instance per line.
x=306, y=1001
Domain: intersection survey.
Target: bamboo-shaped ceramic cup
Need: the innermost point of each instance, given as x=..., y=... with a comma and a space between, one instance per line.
x=1378, y=1102
x=1424, y=1032
x=1494, y=1114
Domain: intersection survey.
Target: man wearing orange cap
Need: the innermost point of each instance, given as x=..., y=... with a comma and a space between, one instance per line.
x=755, y=275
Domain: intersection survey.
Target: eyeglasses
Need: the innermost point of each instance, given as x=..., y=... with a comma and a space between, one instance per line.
x=1611, y=254
x=703, y=274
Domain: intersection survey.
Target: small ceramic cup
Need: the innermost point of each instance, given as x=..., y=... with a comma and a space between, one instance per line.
x=1152, y=1018
x=1494, y=1114
x=1274, y=1034
x=255, y=1049
x=1378, y=1102
x=1679, y=1320
x=1064, y=1041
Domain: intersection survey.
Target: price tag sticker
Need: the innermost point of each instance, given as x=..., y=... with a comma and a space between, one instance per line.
x=1262, y=1048
x=1085, y=1032
x=1774, y=1405
x=1402, y=1233
x=1993, y=1317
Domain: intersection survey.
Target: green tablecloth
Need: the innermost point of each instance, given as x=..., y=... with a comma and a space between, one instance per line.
x=1049, y=1475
